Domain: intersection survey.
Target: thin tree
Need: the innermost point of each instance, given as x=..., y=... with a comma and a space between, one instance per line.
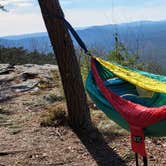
x=79, y=116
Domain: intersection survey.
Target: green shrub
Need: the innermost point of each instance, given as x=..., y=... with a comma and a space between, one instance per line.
x=21, y=56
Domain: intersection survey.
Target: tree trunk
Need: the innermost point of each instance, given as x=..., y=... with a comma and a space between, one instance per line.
x=79, y=115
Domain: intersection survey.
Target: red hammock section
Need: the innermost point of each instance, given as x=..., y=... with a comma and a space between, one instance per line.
x=136, y=115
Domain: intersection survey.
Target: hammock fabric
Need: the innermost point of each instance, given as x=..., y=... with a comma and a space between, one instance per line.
x=118, y=98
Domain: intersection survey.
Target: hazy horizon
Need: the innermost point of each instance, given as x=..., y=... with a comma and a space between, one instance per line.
x=82, y=28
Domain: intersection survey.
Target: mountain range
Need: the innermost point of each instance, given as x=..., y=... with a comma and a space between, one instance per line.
x=148, y=37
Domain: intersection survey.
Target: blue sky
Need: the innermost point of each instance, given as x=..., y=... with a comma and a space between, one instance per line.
x=24, y=15
x=107, y=4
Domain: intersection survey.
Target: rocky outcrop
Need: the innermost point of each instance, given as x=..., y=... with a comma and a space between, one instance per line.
x=23, y=78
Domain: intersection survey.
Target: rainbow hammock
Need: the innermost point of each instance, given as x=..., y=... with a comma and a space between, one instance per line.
x=114, y=90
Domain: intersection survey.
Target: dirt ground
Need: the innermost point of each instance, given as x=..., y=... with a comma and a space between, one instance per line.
x=24, y=142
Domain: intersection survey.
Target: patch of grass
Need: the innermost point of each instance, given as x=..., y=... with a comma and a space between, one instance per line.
x=4, y=111
x=45, y=83
x=37, y=93
x=128, y=156
x=3, y=118
x=4, y=122
x=34, y=102
x=105, y=125
x=15, y=129
x=53, y=97
x=91, y=104
x=55, y=115
x=57, y=81
x=56, y=78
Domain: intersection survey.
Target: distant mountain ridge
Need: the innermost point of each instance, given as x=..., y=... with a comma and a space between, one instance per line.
x=24, y=36
x=148, y=36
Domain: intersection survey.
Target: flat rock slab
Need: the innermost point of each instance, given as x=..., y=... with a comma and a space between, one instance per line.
x=22, y=78
x=25, y=86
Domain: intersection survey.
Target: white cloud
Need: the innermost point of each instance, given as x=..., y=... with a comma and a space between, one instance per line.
x=118, y=15
x=20, y=24
x=24, y=4
x=17, y=5
x=16, y=2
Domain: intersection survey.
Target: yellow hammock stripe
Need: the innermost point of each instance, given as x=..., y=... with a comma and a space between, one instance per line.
x=134, y=77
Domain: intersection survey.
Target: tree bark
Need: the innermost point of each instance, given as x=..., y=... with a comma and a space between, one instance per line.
x=79, y=115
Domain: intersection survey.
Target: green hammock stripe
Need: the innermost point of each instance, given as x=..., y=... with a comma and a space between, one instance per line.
x=128, y=91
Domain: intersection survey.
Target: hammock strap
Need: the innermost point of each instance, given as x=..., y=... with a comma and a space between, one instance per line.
x=136, y=159
x=145, y=161
x=137, y=140
x=49, y=14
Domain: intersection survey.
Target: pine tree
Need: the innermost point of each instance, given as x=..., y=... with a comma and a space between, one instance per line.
x=121, y=55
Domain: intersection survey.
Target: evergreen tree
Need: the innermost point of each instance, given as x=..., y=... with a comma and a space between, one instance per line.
x=20, y=56
x=121, y=55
